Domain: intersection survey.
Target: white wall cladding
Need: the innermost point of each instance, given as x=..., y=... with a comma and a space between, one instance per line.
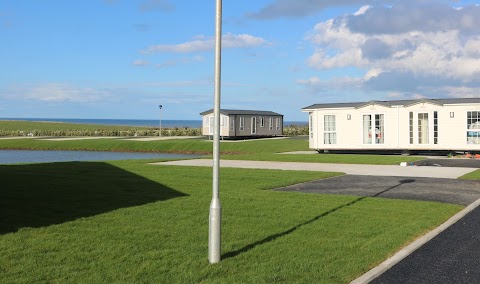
x=351, y=134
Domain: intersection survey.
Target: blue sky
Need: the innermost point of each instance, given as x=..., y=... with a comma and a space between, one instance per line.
x=121, y=59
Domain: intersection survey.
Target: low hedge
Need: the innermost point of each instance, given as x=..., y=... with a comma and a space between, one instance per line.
x=293, y=130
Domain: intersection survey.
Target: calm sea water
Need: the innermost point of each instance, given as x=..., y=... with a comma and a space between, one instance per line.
x=135, y=122
x=32, y=156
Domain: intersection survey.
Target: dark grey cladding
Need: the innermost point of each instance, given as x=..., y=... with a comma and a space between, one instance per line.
x=243, y=112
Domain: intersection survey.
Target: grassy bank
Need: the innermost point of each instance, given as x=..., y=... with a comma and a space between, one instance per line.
x=264, y=150
x=132, y=222
x=472, y=175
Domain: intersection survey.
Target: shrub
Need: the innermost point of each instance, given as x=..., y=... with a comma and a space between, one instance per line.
x=295, y=130
x=184, y=131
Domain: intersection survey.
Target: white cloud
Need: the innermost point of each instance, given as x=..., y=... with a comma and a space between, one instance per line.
x=56, y=92
x=372, y=73
x=202, y=43
x=362, y=10
x=403, y=17
x=300, y=8
x=433, y=62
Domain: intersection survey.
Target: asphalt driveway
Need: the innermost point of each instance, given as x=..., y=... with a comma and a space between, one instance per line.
x=453, y=191
x=452, y=162
x=451, y=257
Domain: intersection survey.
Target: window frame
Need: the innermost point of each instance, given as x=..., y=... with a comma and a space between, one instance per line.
x=211, y=125
x=232, y=123
x=374, y=138
x=310, y=124
x=330, y=135
x=474, y=139
x=262, y=121
x=241, y=127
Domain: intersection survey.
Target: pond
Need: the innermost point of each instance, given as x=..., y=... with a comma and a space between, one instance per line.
x=33, y=156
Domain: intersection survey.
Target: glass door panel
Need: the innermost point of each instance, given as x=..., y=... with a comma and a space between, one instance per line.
x=423, y=129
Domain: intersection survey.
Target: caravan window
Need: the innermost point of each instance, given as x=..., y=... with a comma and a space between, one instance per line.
x=329, y=130
x=473, y=127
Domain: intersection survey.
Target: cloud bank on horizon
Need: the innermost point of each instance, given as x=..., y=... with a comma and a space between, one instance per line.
x=280, y=54
x=406, y=50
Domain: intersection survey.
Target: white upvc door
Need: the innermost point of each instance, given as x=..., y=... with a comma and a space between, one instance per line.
x=373, y=129
x=422, y=128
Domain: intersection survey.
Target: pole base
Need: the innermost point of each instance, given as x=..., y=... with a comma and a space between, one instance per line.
x=215, y=232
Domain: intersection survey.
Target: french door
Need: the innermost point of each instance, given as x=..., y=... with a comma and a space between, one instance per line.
x=423, y=128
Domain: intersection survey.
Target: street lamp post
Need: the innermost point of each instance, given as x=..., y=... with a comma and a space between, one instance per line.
x=160, y=125
x=215, y=218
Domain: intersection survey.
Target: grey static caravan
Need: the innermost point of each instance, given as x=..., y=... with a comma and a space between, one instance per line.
x=244, y=123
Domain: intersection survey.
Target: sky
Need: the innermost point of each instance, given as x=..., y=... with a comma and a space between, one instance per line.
x=120, y=59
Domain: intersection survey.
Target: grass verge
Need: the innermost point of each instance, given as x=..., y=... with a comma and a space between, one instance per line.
x=127, y=221
x=473, y=175
x=262, y=150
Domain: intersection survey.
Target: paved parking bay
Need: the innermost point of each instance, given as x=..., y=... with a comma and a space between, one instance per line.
x=453, y=162
x=461, y=192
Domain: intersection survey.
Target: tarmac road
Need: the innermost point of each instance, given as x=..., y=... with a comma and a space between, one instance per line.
x=453, y=162
x=454, y=191
x=451, y=257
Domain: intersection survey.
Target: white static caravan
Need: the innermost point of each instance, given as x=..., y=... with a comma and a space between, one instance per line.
x=404, y=125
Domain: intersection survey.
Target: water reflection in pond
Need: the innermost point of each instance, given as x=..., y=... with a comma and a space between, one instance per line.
x=33, y=156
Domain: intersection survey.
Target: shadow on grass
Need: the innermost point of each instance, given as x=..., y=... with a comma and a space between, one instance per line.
x=293, y=229
x=38, y=195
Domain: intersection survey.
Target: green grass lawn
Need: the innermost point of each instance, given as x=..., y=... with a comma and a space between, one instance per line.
x=264, y=150
x=472, y=175
x=131, y=222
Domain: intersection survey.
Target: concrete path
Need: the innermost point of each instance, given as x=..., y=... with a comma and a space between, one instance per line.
x=79, y=138
x=369, y=170
x=19, y=137
x=158, y=138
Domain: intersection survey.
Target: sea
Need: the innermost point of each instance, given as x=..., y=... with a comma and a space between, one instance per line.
x=133, y=122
